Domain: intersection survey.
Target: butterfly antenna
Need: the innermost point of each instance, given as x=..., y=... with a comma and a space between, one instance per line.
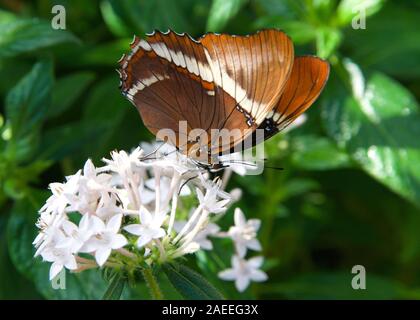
x=146, y=157
x=186, y=181
x=243, y=162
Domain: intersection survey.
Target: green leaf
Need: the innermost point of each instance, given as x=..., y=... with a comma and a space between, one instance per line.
x=313, y=152
x=115, y=288
x=27, y=35
x=6, y=17
x=21, y=231
x=68, y=139
x=376, y=121
x=349, y=9
x=221, y=12
x=28, y=102
x=327, y=41
x=372, y=47
x=172, y=14
x=26, y=107
x=104, y=108
x=104, y=54
x=190, y=284
x=113, y=20
x=297, y=187
x=12, y=284
x=67, y=90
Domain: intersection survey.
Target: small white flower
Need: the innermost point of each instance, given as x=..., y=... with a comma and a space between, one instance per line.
x=201, y=237
x=107, y=206
x=50, y=228
x=60, y=194
x=77, y=236
x=60, y=257
x=210, y=201
x=122, y=163
x=150, y=186
x=244, y=233
x=105, y=239
x=92, y=180
x=244, y=271
x=150, y=227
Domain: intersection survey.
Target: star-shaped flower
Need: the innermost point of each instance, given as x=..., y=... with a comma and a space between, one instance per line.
x=244, y=271
x=244, y=232
x=105, y=239
x=150, y=227
x=210, y=201
x=60, y=257
x=59, y=199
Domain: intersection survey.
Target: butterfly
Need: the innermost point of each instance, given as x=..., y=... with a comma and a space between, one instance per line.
x=210, y=96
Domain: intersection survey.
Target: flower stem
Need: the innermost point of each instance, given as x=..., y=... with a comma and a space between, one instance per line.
x=152, y=283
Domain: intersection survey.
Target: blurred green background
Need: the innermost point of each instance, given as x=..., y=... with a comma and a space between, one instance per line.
x=350, y=191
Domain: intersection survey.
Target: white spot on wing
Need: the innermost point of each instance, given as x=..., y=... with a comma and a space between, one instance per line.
x=144, y=45
x=147, y=82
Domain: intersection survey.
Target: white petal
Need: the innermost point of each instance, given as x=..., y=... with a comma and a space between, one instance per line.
x=71, y=264
x=89, y=168
x=236, y=262
x=84, y=222
x=191, y=248
x=228, y=274
x=89, y=246
x=240, y=248
x=145, y=216
x=239, y=217
x=114, y=223
x=254, y=244
x=159, y=233
x=135, y=229
x=118, y=241
x=97, y=225
x=255, y=223
x=55, y=269
x=69, y=227
x=143, y=240
x=200, y=195
x=255, y=262
x=242, y=283
x=206, y=244
x=258, y=276
x=101, y=255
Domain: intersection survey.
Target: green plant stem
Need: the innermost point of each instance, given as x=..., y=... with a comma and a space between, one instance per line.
x=152, y=283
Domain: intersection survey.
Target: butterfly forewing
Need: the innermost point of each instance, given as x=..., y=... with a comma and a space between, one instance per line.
x=220, y=82
x=244, y=67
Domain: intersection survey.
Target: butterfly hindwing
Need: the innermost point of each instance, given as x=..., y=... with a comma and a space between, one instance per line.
x=308, y=78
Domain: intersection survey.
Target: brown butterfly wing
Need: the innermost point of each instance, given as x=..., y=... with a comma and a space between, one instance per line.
x=172, y=78
x=244, y=67
x=168, y=79
x=308, y=78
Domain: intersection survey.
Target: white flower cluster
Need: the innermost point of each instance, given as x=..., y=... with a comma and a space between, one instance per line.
x=132, y=209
